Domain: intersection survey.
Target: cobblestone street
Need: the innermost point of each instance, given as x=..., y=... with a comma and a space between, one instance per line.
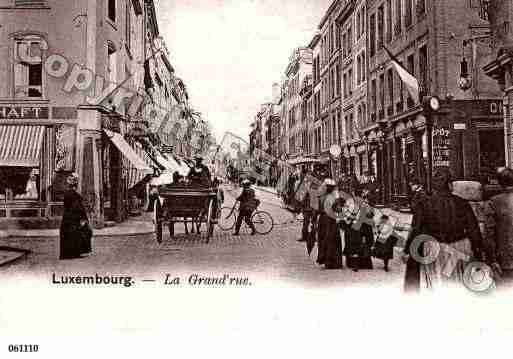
x=274, y=257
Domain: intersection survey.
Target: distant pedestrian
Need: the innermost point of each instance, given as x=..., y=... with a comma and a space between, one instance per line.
x=75, y=232
x=309, y=216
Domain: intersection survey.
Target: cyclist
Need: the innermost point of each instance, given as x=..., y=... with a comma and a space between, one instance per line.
x=248, y=204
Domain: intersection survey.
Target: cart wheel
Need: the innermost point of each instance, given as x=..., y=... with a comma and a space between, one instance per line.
x=210, y=220
x=157, y=220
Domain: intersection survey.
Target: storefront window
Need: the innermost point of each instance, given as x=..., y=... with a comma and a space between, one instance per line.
x=19, y=183
x=491, y=154
x=20, y=159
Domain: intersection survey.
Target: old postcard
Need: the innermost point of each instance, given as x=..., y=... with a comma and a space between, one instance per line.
x=255, y=178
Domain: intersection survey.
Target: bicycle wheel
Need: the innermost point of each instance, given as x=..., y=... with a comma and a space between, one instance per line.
x=263, y=222
x=226, y=219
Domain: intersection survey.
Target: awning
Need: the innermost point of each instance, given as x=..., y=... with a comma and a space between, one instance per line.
x=170, y=164
x=128, y=152
x=20, y=145
x=301, y=160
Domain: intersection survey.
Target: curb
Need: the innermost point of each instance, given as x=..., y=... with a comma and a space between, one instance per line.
x=36, y=234
x=22, y=253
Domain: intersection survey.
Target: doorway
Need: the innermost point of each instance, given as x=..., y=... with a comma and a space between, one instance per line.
x=491, y=154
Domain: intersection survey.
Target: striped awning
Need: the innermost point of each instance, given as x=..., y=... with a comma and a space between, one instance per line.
x=128, y=151
x=20, y=145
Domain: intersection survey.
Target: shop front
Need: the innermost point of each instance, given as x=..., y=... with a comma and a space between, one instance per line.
x=38, y=148
x=467, y=137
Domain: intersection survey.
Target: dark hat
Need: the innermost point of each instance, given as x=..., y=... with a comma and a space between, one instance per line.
x=442, y=178
x=505, y=176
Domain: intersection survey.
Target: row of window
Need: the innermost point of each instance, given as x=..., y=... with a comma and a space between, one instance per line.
x=394, y=86
x=390, y=19
x=29, y=75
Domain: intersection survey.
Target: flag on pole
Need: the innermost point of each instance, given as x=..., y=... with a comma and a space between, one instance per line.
x=411, y=82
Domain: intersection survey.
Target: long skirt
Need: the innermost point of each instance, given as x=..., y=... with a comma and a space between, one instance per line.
x=447, y=269
x=74, y=241
x=330, y=243
x=358, y=248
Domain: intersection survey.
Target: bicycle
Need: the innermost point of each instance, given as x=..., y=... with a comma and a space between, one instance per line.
x=262, y=220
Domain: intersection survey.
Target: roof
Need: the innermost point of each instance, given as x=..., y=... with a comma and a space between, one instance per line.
x=328, y=13
x=314, y=41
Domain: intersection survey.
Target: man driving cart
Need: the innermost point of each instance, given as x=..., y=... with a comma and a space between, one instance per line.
x=199, y=174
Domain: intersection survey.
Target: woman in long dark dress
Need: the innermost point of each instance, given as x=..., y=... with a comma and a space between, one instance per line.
x=75, y=238
x=330, y=245
x=359, y=242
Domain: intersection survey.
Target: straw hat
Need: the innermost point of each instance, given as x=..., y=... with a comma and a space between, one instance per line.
x=329, y=182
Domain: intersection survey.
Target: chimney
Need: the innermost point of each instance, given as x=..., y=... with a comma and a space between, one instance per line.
x=276, y=92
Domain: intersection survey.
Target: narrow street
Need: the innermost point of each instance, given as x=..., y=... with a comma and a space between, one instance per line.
x=274, y=257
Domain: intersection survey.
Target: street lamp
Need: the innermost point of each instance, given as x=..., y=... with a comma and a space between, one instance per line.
x=465, y=81
x=430, y=106
x=382, y=167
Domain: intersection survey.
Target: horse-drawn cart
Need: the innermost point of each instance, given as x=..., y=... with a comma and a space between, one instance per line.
x=181, y=204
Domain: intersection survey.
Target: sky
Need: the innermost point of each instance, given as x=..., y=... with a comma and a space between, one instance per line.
x=229, y=53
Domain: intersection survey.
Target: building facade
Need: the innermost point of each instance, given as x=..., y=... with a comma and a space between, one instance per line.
x=331, y=84
x=298, y=69
x=500, y=68
x=429, y=37
x=75, y=76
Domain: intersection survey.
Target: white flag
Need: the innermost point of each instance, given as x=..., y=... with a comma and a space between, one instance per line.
x=411, y=82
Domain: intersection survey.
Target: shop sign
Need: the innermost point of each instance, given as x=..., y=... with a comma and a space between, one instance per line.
x=441, y=147
x=23, y=112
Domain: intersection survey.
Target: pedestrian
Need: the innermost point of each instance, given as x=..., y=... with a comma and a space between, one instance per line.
x=75, y=232
x=417, y=193
x=448, y=221
x=417, y=197
x=248, y=204
x=385, y=242
x=330, y=243
x=358, y=241
x=502, y=250
x=472, y=191
x=306, y=198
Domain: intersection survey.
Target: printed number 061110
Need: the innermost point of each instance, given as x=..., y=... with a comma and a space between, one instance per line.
x=23, y=348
